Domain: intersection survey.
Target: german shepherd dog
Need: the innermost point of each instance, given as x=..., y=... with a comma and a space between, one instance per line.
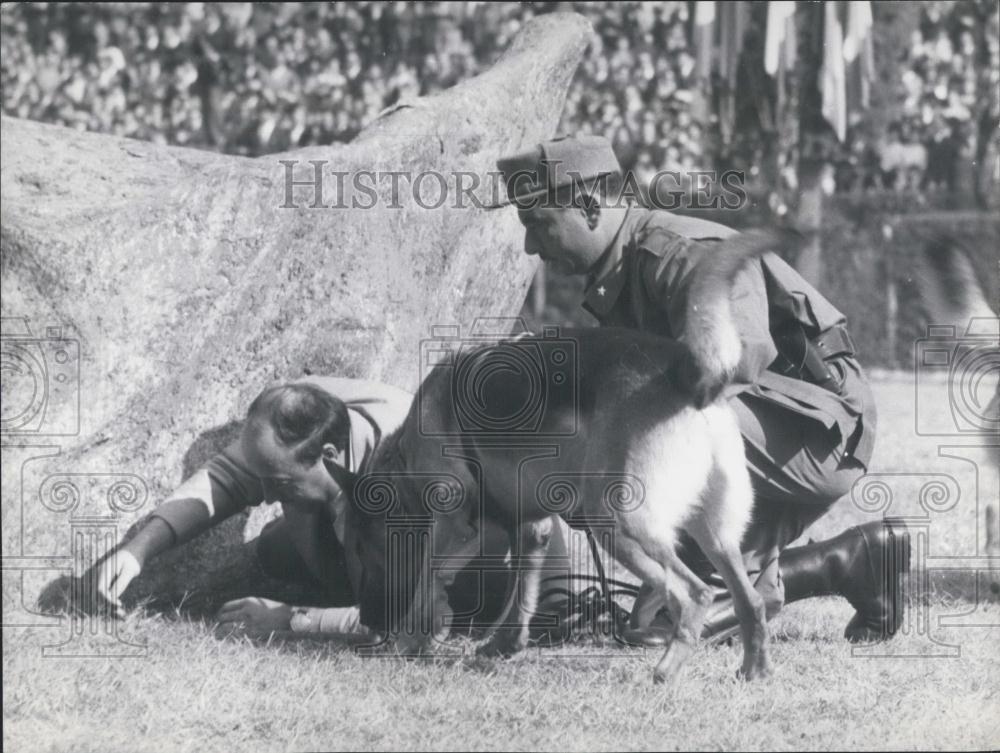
x=634, y=435
x=952, y=296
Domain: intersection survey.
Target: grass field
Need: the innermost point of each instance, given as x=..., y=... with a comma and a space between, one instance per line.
x=194, y=691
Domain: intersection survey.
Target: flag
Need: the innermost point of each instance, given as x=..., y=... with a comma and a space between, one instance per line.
x=779, y=38
x=780, y=41
x=859, y=57
x=733, y=21
x=704, y=38
x=833, y=74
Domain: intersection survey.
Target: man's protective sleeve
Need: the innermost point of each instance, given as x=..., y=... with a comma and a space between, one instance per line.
x=221, y=488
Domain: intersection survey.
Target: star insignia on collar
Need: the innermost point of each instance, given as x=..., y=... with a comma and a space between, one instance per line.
x=602, y=290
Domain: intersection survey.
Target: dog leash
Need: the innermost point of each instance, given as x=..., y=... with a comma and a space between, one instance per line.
x=607, y=593
x=601, y=575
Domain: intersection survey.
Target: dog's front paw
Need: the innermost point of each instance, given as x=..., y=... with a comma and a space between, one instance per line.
x=756, y=666
x=501, y=646
x=413, y=646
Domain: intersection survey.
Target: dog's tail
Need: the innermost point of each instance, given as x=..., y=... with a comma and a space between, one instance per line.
x=709, y=330
x=948, y=286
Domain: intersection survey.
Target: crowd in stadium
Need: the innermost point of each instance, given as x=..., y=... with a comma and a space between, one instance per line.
x=257, y=78
x=922, y=148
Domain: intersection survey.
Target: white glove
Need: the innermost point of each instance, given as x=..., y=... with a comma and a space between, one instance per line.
x=113, y=577
x=330, y=621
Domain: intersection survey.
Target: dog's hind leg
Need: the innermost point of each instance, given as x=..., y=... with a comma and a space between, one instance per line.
x=717, y=528
x=688, y=600
x=749, y=605
x=531, y=545
x=668, y=581
x=647, y=604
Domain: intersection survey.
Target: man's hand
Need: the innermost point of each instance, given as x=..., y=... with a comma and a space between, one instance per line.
x=254, y=615
x=113, y=576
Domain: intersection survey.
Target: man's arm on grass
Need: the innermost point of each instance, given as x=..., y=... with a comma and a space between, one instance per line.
x=257, y=616
x=220, y=489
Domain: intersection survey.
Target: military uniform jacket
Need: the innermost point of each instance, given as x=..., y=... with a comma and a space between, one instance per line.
x=642, y=282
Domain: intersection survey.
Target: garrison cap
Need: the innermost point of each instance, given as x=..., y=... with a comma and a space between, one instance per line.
x=555, y=164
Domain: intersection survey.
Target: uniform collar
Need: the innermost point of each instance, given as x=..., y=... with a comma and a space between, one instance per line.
x=607, y=278
x=364, y=437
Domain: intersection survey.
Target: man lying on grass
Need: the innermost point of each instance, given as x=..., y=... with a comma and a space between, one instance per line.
x=301, y=445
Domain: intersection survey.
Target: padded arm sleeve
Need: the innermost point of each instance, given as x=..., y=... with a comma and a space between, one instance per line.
x=220, y=489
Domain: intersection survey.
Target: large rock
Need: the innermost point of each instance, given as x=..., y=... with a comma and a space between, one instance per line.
x=149, y=293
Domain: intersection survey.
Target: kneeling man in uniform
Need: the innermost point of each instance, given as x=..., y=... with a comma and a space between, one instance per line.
x=805, y=408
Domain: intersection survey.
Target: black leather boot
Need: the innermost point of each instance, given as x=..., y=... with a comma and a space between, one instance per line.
x=863, y=564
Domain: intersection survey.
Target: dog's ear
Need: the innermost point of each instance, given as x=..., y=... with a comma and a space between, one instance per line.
x=344, y=478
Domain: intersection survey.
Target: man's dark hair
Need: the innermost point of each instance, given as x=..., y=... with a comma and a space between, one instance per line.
x=303, y=417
